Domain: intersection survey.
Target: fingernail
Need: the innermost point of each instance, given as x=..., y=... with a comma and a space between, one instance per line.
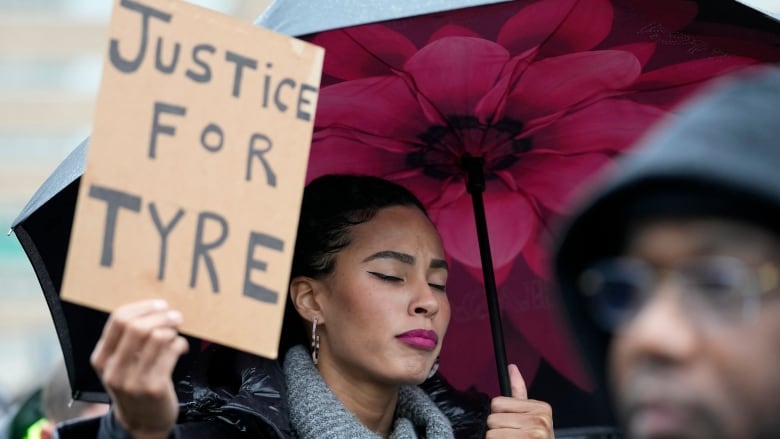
x=175, y=316
x=159, y=304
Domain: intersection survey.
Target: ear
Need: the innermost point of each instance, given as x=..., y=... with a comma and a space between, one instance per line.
x=305, y=294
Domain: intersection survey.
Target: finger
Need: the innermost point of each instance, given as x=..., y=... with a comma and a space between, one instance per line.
x=159, y=354
x=520, y=421
x=161, y=345
x=517, y=383
x=137, y=333
x=506, y=404
x=512, y=433
x=117, y=321
x=174, y=350
x=124, y=359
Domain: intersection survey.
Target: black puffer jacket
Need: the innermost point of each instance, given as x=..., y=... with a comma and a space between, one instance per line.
x=237, y=395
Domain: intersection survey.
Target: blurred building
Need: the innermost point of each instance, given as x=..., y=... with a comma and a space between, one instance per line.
x=768, y=7
x=50, y=61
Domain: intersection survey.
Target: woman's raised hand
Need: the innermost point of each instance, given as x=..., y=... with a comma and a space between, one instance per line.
x=517, y=416
x=134, y=358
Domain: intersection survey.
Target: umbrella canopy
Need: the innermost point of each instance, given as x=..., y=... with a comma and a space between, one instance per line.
x=544, y=92
x=43, y=229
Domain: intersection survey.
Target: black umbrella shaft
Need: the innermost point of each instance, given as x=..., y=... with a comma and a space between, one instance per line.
x=475, y=183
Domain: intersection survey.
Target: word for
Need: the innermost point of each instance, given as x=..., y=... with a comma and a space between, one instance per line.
x=212, y=138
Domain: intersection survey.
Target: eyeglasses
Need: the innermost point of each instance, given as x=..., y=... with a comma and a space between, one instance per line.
x=719, y=288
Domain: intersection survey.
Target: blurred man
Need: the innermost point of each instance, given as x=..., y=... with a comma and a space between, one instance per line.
x=677, y=262
x=58, y=405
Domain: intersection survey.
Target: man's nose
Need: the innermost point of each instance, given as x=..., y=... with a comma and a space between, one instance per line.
x=662, y=331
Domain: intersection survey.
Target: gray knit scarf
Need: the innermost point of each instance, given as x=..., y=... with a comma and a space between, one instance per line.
x=315, y=412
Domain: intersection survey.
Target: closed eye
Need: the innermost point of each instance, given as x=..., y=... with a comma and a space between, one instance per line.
x=441, y=288
x=386, y=277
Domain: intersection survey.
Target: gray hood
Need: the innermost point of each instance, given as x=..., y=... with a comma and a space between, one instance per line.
x=719, y=156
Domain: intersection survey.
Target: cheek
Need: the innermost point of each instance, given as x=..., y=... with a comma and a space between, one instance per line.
x=751, y=366
x=617, y=362
x=619, y=352
x=361, y=303
x=445, y=313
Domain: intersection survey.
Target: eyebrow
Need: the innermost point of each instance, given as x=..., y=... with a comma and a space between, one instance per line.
x=405, y=258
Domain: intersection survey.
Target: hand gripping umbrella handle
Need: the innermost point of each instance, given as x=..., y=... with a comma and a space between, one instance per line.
x=475, y=184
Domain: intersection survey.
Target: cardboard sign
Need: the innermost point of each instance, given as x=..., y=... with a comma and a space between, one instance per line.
x=195, y=171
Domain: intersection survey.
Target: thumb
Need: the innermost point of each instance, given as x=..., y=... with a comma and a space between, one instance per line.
x=517, y=383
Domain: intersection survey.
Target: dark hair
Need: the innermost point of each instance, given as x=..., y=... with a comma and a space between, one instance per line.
x=332, y=205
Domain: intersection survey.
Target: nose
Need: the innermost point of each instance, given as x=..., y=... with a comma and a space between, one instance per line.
x=661, y=334
x=424, y=300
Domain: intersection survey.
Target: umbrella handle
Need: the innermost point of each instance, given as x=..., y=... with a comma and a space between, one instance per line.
x=475, y=184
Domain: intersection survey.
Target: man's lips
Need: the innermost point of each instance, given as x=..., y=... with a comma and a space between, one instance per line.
x=655, y=401
x=657, y=420
x=419, y=338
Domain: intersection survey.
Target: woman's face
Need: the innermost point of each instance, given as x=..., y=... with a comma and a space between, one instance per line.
x=384, y=307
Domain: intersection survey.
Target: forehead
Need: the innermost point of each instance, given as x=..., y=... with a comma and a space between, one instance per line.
x=397, y=227
x=667, y=239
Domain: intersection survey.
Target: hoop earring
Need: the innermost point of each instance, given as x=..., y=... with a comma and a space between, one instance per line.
x=315, y=343
x=434, y=369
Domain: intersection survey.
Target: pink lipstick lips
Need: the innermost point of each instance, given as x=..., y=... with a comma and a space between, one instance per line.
x=420, y=339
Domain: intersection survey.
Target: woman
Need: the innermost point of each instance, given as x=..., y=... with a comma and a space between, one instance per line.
x=367, y=313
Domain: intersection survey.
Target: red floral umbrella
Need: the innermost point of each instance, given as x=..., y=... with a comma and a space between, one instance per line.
x=533, y=97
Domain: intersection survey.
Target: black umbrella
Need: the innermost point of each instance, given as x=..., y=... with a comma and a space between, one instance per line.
x=43, y=228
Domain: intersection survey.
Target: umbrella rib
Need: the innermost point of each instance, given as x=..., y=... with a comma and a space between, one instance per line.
x=513, y=78
x=366, y=49
x=414, y=89
x=535, y=207
x=348, y=129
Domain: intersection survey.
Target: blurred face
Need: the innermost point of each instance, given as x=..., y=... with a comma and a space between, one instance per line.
x=384, y=308
x=701, y=357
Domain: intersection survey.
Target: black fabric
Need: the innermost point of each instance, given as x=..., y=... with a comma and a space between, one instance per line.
x=78, y=428
x=232, y=394
x=467, y=411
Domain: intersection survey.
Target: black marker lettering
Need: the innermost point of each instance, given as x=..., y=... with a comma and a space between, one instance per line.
x=202, y=248
x=206, y=75
x=301, y=114
x=158, y=61
x=204, y=137
x=241, y=62
x=279, y=104
x=161, y=107
x=115, y=200
x=131, y=65
x=163, y=230
x=252, y=289
x=270, y=176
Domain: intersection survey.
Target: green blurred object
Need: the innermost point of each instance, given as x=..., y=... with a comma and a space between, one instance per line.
x=35, y=430
x=29, y=413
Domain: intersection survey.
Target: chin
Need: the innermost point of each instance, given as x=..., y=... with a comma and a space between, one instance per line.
x=412, y=378
x=405, y=369
x=407, y=376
